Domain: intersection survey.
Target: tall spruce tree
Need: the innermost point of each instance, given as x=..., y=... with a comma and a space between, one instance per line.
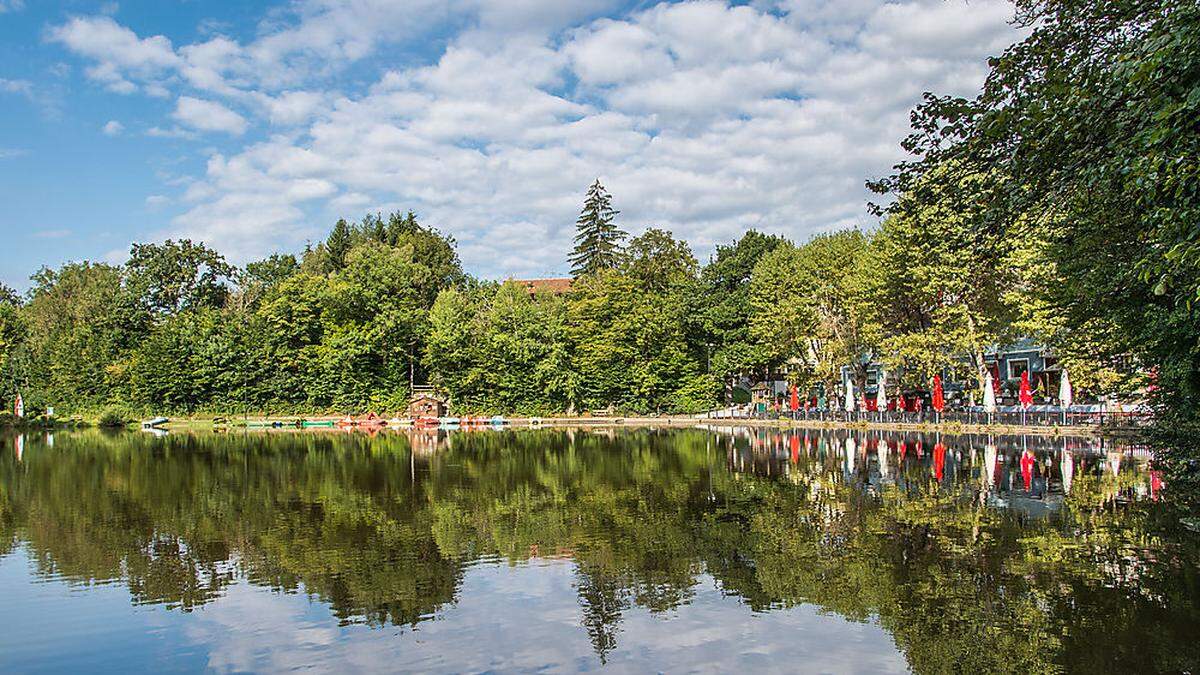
x=598, y=240
x=338, y=244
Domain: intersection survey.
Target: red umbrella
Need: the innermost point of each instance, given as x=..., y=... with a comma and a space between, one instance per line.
x=1026, y=393
x=795, y=399
x=939, y=398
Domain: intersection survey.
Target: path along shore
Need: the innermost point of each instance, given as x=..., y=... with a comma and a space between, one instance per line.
x=290, y=421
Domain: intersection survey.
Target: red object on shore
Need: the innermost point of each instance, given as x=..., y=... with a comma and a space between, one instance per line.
x=1026, y=392
x=939, y=397
x=795, y=399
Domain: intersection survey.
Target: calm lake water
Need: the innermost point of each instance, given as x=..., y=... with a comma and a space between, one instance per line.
x=633, y=550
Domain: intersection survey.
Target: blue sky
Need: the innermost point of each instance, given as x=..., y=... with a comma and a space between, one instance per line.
x=253, y=127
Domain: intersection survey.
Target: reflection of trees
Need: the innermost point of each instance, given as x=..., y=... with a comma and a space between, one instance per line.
x=382, y=535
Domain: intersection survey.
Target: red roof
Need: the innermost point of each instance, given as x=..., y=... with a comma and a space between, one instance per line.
x=552, y=286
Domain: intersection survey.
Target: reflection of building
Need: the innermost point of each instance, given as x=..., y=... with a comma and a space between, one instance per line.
x=426, y=441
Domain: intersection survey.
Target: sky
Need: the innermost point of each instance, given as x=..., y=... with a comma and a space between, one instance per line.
x=254, y=126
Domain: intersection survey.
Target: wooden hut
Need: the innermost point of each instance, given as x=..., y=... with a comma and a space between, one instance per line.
x=426, y=404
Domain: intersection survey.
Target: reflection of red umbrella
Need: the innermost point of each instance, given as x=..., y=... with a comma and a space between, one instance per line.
x=1027, y=461
x=795, y=399
x=1026, y=393
x=939, y=397
x=794, y=442
x=939, y=460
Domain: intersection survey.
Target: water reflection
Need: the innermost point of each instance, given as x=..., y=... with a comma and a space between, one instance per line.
x=958, y=552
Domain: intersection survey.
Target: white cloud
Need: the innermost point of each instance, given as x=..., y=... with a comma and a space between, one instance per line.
x=11, y=6
x=155, y=202
x=23, y=87
x=8, y=153
x=118, y=51
x=700, y=117
x=113, y=128
x=52, y=234
x=169, y=132
x=205, y=115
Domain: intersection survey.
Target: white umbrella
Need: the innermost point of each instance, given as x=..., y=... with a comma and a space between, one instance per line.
x=1065, y=395
x=881, y=395
x=850, y=407
x=989, y=394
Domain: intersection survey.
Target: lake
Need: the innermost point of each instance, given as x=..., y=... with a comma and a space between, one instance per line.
x=720, y=549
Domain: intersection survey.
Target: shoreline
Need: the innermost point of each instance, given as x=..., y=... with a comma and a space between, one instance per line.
x=682, y=421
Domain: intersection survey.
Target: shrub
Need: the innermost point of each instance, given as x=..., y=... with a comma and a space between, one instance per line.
x=113, y=417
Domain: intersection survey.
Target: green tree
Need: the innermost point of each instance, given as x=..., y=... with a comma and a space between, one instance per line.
x=598, y=240
x=338, y=245
x=941, y=285
x=79, y=330
x=722, y=308
x=12, y=336
x=809, y=310
x=173, y=276
x=1085, y=134
x=659, y=261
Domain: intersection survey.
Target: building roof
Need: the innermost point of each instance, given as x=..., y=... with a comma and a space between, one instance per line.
x=552, y=286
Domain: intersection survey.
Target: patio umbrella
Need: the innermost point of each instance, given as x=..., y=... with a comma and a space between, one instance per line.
x=939, y=397
x=795, y=402
x=1065, y=395
x=1026, y=392
x=881, y=395
x=989, y=394
x=850, y=396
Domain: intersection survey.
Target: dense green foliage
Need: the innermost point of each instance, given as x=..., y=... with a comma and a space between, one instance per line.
x=1060, y=204
x=1082, y=153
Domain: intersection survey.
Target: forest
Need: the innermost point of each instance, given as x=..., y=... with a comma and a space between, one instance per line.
x=1060, y=203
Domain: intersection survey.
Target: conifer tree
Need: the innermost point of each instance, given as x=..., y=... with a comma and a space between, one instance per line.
x=598, y=239
x=338, y=244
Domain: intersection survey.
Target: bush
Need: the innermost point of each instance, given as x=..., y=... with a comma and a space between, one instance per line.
x=7, y=418
x=113, y=417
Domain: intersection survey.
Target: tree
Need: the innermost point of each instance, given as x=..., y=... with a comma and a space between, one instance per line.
x=338, y=244
x=79, y=328
x=659, y=261
x=598, y=240
x=173, y=276
x=722, y=307
x=809, y=310
x=12, y=336
x=1085, y=136
x=941, y=286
